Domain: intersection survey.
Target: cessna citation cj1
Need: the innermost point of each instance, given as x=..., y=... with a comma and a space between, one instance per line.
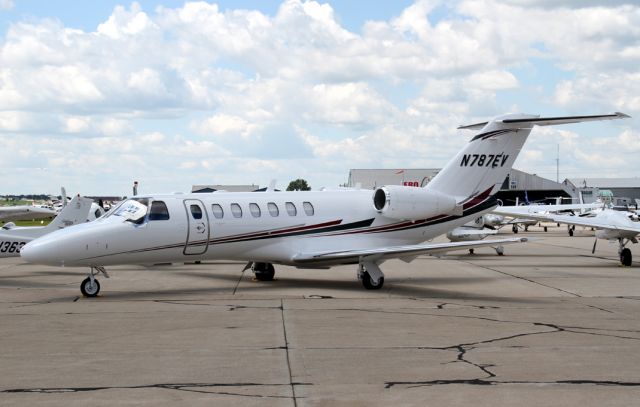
x=316, y=229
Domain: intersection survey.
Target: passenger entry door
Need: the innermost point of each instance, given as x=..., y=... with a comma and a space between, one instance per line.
x=198, y=230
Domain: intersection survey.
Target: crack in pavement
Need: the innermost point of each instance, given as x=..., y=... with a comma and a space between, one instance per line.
x=567, y=328
x=188, y=387
x=464, y=348
x=488, y=382
x=286, y=347
x=522, y=278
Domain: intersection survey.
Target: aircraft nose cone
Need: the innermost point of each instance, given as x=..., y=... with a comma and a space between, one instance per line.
x=39, y=252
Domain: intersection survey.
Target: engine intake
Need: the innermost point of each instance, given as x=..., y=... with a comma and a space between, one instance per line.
x=411, y=203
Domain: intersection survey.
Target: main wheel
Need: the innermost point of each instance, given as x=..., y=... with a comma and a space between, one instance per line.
x=369, y=284
x=88, y=288
x=625, y=257
x=515, y=229
x=570, y=232
x=500, y=250
x=545, y=228
x=264, y=271
x=526, y=228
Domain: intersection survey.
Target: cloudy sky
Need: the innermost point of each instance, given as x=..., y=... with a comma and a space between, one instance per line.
x=95, y=95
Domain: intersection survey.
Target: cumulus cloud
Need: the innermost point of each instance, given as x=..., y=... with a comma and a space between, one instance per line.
x=194, y=87
x=6, y=4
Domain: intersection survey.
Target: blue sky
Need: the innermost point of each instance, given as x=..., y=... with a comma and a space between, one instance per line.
x=94, y=95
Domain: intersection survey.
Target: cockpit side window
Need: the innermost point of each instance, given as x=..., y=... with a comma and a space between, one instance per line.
x=158, y=211
x=132, y=210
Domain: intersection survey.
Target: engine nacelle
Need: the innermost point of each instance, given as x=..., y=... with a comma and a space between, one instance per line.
x=411, y=203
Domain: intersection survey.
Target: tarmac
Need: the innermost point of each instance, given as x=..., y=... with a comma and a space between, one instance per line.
x=547, y=324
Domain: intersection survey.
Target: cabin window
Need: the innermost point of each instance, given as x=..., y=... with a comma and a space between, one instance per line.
x=273, y=209
x=159, y=211
x=217, y=210
x=308, y=208
x=291, y=209
x=255, y=210
x=236, y=210
x=196, y=211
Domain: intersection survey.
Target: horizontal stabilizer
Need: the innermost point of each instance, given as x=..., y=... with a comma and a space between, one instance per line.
x=548, y=121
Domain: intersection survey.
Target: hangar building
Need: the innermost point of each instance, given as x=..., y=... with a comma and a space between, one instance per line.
x=518, y=185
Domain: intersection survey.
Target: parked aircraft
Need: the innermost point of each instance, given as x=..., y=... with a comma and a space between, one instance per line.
x=610, y=224
x=13, y=238
x=316, y=229
x=477, y=229
x=25, y=212
x=521, y=214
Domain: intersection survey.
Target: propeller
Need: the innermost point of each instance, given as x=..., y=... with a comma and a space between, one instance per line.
x=594, y=246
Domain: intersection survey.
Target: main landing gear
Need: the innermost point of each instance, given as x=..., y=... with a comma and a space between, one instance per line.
x=625, y=253
x=371, y=276
x=90, y=287
x=263, y=271
x=571, y=229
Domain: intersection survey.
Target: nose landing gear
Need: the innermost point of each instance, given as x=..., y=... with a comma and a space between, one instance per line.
x=90, y=287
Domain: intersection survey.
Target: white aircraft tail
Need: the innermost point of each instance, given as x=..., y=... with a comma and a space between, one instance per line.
x=76, y=211
x=479, y=169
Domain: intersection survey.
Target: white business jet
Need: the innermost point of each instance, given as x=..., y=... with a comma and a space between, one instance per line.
x=477, y=229
x=612, y=225
x=316, y=229
x=13, y=238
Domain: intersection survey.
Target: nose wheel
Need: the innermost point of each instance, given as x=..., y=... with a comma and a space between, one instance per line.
x=90, y=287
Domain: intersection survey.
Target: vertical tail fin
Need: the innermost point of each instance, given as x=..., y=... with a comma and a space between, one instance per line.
x=482, y=166
x=76, y=211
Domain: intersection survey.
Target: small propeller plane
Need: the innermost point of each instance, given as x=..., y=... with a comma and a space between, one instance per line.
x=305, y=229
x=13, y=238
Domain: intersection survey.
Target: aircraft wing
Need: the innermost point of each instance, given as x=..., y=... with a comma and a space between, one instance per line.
x=526, y=210
x=592, y=222
x=406, y=253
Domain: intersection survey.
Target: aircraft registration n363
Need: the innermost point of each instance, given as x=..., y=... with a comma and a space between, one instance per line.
x=316, y=229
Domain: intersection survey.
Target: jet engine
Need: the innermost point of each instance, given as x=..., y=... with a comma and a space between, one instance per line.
x=411, y=203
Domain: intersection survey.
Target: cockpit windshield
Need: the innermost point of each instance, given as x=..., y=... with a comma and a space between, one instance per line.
x=133, y=210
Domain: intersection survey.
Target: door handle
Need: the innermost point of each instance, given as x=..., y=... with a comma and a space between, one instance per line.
x=200, y=228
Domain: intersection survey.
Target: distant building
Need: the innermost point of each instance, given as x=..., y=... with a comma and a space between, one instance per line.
x=518, y=185
x=374, y=178
x=228, y=188
x=623, y=190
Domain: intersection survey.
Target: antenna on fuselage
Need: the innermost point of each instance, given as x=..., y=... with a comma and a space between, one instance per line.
x=135, y=188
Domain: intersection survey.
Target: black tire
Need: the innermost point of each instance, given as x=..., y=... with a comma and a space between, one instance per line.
x=545, y=228
x=570, y=232
x=526, y=228
x=626, y=257
x=368, y=282
x=264, y=271
x=515, y=229
x=87, y=289
x=471, y=251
